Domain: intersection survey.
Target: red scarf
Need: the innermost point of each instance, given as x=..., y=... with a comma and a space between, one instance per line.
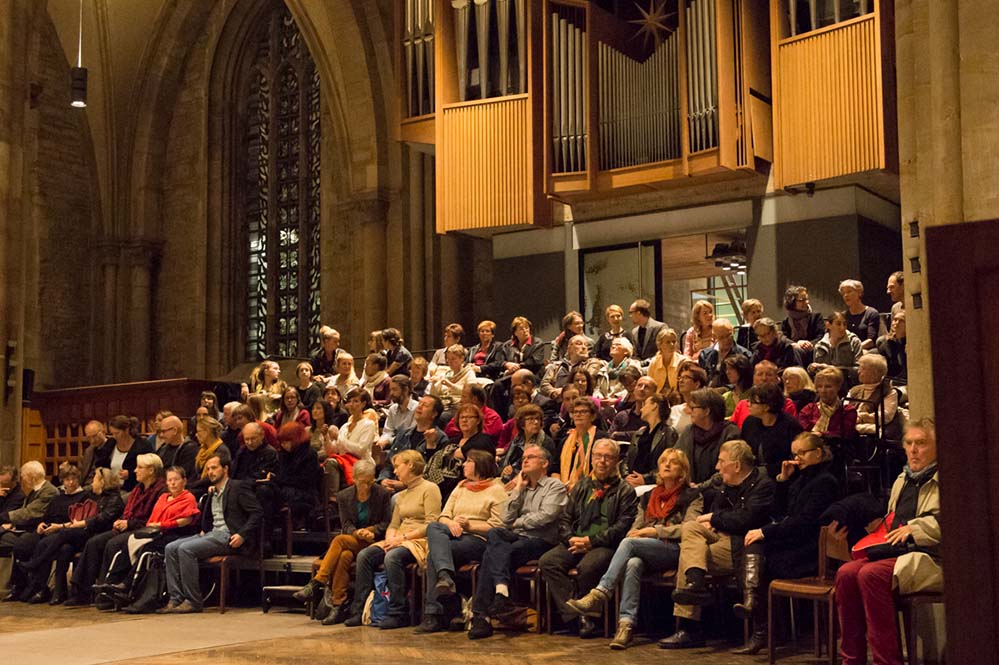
x=477, y=485
x=661, y=503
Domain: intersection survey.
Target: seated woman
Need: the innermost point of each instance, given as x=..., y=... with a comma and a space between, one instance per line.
x=365, y=508
x=585, y=383
x=664, y=368
x=865, y=588
x=324, y=363
x=861, y=320
x=652, y=545
x=308, y=390
x=61, y=542
x=802, y=327
x=698, y=336
x=208, y=433
x=209, y=402
x=521, y=396
x=376, y=380
x=572, y=325
x=615, y=330
x=829, y=416
x=397, y=355
x=768, y=430
x=265, y=380
x=453, y=334
x=123, y=455
x=524, y=349
x=345, y=379
x=448, y=384
x=621, y=350
x=292, y=410
x=376, y=343
x=324, y=431
x=487, y=358
x=174, y=516
x=405, y=542
x=739, y=373
x=418, y=370
x=529, y=419
x=458, y=537
x=355, y=440
x=444, y=465
x=772, y=345
x=788, y=547
x=838, y=347
x=798, y=387
x=648, y=443
x=752, y=311
x=707, y=432
x=574, y=458
x=297, y=478
x=692, y=377
x=868, y=396
x=893, y=347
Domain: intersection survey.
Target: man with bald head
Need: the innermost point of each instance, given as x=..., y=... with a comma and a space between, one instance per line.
x=549, y=407
x=97, y=439
x=629, y=416
x=711, y=358
x=175, y=448
x=253, y=462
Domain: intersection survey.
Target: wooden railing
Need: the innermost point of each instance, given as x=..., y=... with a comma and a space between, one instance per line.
x=830, y=103
x=53, y=425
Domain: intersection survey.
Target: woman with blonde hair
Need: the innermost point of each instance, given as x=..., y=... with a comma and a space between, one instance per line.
x=346, y=378
x=665, y=365
x=752, y=311
x=652, y=545
x=449, y=384
x=266, y=380
x=798, y=386
x=698, y=337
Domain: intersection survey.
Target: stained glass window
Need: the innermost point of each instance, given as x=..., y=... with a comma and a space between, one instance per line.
x=280, y=191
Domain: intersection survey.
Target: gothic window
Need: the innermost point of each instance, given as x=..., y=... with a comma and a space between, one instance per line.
x=278, y=211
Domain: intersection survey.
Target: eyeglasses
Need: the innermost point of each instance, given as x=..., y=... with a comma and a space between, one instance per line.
x=604, y=456
x=801, y=453
x=527, y=457
x=164, y=430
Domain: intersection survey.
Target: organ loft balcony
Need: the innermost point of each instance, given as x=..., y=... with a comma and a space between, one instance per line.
x=526, y=103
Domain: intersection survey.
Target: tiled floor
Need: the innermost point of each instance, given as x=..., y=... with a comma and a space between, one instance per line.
x=40, y=634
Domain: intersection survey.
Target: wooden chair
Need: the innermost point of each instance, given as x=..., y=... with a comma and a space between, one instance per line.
x=819, y=589
x=531, y=572
x=906, y=604
x=609, y=608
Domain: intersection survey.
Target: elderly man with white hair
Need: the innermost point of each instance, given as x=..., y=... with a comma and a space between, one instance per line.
x=712, y=358
x=577, y=355
x=869, y=395
x=621, y=352
x=38, y=494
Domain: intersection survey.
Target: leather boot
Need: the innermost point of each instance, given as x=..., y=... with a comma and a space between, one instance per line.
x=757, y=640
x=752, y=571
x=312, y=590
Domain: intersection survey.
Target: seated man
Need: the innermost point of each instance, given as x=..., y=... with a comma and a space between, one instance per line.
x=530, y=528
x=558, y=373
x=243, y=414
x=38, y=494
x=174, y=448
x=421, y=435
x=628, y=418
x=600, y=513
x=98, y=447
x=11, y=496
x=399, y=415
x=230, y=521
x=772, y=345
x=711, y=358
x=893, y=347
x=526, y=378
x=713, y=542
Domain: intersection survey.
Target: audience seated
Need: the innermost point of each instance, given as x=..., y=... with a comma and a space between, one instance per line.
x=646, y=330
x=292, y=409
x=572, y=326
x=838, y=347
x=908, y=562
x=11, y=496
x=664, y=366
x=707, y=432
x=98, y=447
x=244, y=414
x=309, y=392
x=445, y=463
x=453, y=334
x=699, y=335
x=738, y=372
x=365, y=509
x=862, y=320
x=265, y=381
x=475, y=394
x=128, y=445
x=418, y=377
x=400, y=414
x=802, y=327
x=772, y=345
x=448, y=383
x=574, y=458
x=397, y=356
x=712, y=359
x=876, y=400
x=458, y=537
x=175, y=449
x=767, y=429
x=208, y=432
x=713, y=543
x=765, y=372
x=577, y=355
x=648, y=443
x=355, y=440
x=752, y=311
x=829, y=416
x=652, y=545
x=376, y=380
x=599, y=514
x=37, y=493
x=798, y=387
x=619, y=358
x=691, y=378
x=529, y=419
x=257, y=463
x=787, y=548
x=524, y=350
x=530, y=528
x=487, y=358
x=405, y=542
x=615, y=330
x=345, y=379
x=893, y=348
x=628, y=418
x=325, y=363
x=423, y=436
x=296, y=480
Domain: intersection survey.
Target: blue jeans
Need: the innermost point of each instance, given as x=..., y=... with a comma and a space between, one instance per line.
x=446, y=554
x=632, y=558
x=395, y=562
x=182, y=558
x=505, y=552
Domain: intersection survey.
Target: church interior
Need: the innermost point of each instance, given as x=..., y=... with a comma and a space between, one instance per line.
x=190, y=187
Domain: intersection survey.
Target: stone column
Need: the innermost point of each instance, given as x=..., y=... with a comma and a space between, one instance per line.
x=354, y=286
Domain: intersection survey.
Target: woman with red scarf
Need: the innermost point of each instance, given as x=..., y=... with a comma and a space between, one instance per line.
x=653, y=544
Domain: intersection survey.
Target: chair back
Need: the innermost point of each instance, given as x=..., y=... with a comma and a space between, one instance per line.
x=833, y=545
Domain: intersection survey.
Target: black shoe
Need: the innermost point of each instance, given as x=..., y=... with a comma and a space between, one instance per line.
x=445, y=584
x=354, y=620
x=757, y=642
x=480, y=629
x=26, y=593
x=12, y=595
x=392, y=622
x=692, y=595
x=58, y=597
x=432, y=623
x=104, y=603
x=39, y=597
x=587, y=629
x=502, y=606
x=683, y=639
x=76, y=601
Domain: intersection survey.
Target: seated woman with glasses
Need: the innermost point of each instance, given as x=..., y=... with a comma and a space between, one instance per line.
x=707, y=432
x=802, y=327
x=574, y=458
x=788, y=547
x=829, y=416
x=768, y=430
x=529, y=419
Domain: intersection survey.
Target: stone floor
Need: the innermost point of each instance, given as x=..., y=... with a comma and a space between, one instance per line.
x=40, y=634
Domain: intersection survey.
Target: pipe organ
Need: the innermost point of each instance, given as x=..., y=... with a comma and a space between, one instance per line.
x=418, y=49
x=702, y=74
x=566, y=91
x=478, y=37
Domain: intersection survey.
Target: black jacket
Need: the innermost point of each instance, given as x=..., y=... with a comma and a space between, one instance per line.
x=792, y=543
x=531, y=356
x=239, y=507
x=58, y=510
x=783, y=355
x=109, y=508
x=664, y=437
x=622, y=507
x=708, y=360
x=102, y=458
x=379, y=510
x=183, y=455
x=495, y=359
x=703, y=457
x=740, y=509
x=816, y=328
x=253, y=464
x=299, y=469
x=604, y=343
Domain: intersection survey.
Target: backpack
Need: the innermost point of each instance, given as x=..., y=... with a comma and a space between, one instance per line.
x=380, y=599
x=149, y=592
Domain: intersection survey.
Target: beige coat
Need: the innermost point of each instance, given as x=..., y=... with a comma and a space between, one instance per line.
x=920, y=571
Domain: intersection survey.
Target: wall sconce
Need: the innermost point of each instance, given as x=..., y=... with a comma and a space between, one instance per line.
x=914, y=228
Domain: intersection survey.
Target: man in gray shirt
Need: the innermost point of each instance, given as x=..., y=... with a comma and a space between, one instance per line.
x=531, y=521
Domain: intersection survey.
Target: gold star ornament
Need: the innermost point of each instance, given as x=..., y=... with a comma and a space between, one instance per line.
x=653, y=25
